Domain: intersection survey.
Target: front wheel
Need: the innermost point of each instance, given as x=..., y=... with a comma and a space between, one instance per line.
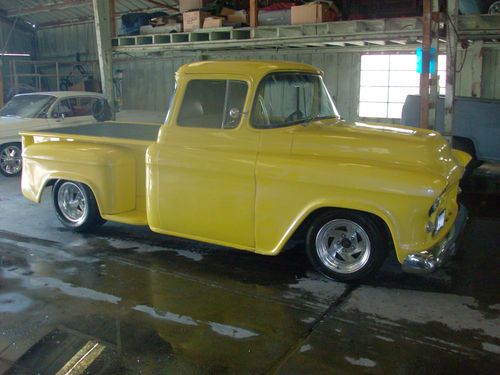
x=10, y=159
x=345, y=245
x=76, y=206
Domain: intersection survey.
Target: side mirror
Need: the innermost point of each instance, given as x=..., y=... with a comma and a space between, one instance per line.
x=234, y=113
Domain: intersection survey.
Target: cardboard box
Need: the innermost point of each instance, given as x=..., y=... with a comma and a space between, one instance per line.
x=212, y=22
x=194, y=20
x=226, y=11
x=238, y=17
x=187, y=5
x=310, y=13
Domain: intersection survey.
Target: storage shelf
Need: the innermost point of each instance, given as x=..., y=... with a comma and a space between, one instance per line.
x=391, y=32
x=332, y=34
x=479, y=27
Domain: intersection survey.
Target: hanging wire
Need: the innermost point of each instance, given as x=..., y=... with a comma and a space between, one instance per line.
x=463, y=44
x=9, y=34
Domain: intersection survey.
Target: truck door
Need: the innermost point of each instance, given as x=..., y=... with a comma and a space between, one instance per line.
x=205, y=176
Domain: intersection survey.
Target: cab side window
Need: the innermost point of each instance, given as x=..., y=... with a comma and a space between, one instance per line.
x=213, y=104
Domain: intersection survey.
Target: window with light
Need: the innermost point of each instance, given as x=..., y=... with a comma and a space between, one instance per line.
x=386, y=80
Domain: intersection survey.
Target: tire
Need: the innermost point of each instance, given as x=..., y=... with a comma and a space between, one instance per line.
x=76, y=207
x=345, y=245
x=11, y=162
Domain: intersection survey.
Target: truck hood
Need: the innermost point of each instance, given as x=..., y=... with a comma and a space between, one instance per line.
x=378, y=144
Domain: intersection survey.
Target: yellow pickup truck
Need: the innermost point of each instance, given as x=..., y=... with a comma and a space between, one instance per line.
x=251, y=154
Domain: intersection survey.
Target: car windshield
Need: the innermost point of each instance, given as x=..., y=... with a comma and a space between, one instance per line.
x=284, y=99
x=27, y=106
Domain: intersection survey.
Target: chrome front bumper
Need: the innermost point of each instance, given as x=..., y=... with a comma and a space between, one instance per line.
x=428, y=261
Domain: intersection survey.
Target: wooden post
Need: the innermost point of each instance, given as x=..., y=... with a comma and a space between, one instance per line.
x=102, y=20
x=476, y=54
x=434, y=81
x=424, y=76
x=1, y=83
x=451, y=62
x=112, y=6
x=58, y=77
x=254, y=13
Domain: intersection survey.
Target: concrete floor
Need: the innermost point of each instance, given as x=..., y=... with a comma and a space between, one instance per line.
x=125, y=300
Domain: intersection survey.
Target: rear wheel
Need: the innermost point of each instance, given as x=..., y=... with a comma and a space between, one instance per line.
x=345, y=245
x=11, y=159
x=75, y=206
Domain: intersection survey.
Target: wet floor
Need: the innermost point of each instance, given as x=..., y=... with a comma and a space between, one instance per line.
x=125, y=300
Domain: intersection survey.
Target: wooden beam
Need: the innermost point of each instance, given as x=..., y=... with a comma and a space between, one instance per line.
x=20, y=24
x=254, y=13
x=1, y=84
x=476, y=55
x=451, y=63
x=51, y=7
x=161, y=5
x=424, y=76
x=434, y=81
x=102, y=21
x=112, y=15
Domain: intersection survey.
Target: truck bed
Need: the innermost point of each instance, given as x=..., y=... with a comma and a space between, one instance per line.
x=123, y=131
x=124, y=173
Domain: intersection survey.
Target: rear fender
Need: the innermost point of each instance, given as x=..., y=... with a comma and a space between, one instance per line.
x=109, y=171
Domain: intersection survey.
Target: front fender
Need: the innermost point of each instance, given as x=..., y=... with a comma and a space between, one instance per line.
x=109, y=171
x=461, y=157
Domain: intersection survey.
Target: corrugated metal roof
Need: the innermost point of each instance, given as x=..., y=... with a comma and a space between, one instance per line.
x=48, y=12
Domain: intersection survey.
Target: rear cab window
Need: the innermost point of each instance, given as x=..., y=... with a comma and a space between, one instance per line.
x=213, y=104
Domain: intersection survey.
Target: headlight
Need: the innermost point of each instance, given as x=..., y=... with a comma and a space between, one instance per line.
x=435, y=205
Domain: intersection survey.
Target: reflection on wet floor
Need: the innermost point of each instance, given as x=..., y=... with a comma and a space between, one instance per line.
x=126, y=300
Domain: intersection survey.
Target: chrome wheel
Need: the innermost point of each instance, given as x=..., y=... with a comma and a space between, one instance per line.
x=343, y=246
x=10, y=160
x=72, y=202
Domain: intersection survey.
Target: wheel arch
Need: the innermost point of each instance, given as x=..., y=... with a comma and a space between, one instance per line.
x=465, y=144
x=51, y=180
x=382, y=219
x=110, y=172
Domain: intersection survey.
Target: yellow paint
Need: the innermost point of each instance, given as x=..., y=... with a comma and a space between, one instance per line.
x=252, y=188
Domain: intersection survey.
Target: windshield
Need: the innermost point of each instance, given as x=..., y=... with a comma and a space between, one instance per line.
x=284, y=99
x=27, y=106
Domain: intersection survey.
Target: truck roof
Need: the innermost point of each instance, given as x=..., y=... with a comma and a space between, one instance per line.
x=246, y=67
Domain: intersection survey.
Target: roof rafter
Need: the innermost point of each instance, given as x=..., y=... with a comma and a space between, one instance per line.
x=49, y=7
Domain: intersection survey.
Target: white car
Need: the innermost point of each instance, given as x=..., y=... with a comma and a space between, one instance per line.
x=44, y=110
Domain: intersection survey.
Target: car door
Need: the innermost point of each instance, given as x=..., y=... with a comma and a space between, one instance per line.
x=206, y=165
x=72, y=111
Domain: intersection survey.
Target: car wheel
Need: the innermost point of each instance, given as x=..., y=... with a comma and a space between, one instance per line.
x=11, y=162
x=76, y=206
x=345, y=245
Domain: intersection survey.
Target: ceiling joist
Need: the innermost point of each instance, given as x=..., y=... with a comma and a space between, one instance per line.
x=48, y=7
